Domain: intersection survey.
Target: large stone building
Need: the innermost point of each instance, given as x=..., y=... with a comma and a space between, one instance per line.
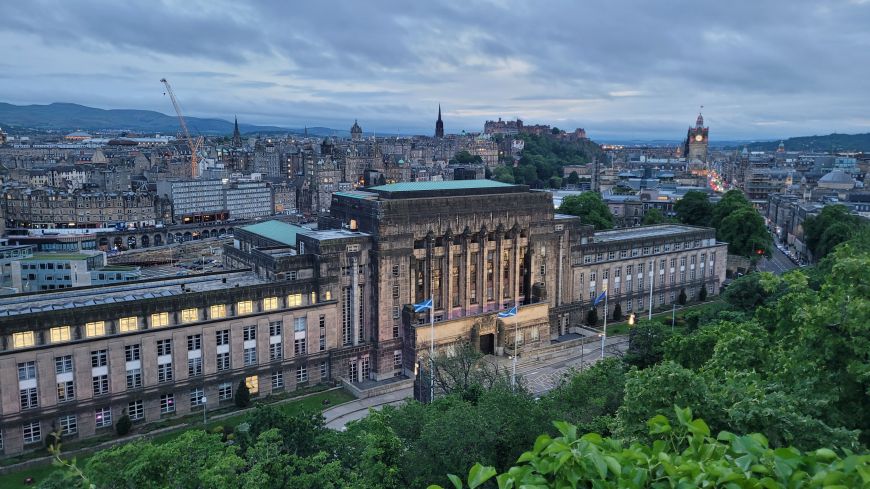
x=697, y=141
x=331, y=303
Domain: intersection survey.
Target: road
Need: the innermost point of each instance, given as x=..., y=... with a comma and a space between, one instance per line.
x=778, y=263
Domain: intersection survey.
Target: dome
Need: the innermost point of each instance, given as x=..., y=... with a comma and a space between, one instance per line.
x=837, y=176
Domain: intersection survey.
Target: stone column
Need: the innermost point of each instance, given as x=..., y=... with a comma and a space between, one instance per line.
x=354, y=300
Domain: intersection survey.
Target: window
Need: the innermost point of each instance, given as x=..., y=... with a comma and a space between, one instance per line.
x=270, y=303
x=134, y=378
x=302, y=373
x=313, y=298
x=189, y=315
x=23, y=339
x=68, y=425
x=244, y=307
x=322, y=332
x=132, y=353
x=299, y=346
x=324, y=370
x=395, y=289
x=66, y=391
x=27, y=370
x=96, y=328
x=196, y=397
x=250, y=356
x=249, y=333
x=103, y=417
x=160, y=320
x=327, y=296
x=167, y=403
x=125, y=325
x=164, y=372
x=99, y=358
x=291, y=275
x=63, y=365
x=395, y=270
x=253, y=384
x=294, y=300
x=59, y=334
x=275, y=328
x=164, y=347
x=28, y=398
x=194, y=342
x=275, y=351
x=225, y=391
x=194, y=366
x=31, y=432
x=136, y=410
x=277, y=380
x=101, y=385
x=217, y=311
x=299, y=325
x=397, y=359
x=222, y=337
x=223, y=361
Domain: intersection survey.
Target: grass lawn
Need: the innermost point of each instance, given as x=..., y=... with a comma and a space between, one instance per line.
x=662, y=316
x=15, y=480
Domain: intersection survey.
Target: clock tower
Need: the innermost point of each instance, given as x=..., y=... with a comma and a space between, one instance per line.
x=697, y=141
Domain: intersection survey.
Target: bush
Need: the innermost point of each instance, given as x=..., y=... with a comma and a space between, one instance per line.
x=124, y=424
x=702, y=295
x=617, y=312
x=243, y=395
x=592, y=317
x=682, y=299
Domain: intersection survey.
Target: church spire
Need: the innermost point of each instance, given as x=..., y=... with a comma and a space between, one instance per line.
x=237, y=136
x=439, y=125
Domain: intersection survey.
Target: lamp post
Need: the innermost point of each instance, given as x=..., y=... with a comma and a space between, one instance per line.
x=516, y=352
x=673, y=316
x=204, y=400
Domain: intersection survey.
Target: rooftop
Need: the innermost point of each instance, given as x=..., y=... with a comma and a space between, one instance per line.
x=447, y=188
x=276, y=231
x=126, y=292
x=642, y=232
x=60, y=256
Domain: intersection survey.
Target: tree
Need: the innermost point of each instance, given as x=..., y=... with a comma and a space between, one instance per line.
x=653, y=216
x=746, y=293
x=591, y=209
x=702, y=295
x=832, y=226
x=617, y=312
x=465, y=373
x=681, y=299
x=694, y=208
x=645, y=343
x=592, y=317
x=746, y=234
x=124, y=424
x=464, y=157
x=503, y=174
x=243, y=395
x=730, y=202
x=573, y=178
x=555, y=182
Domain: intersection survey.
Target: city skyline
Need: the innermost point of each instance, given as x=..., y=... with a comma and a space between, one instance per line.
x=762, y=71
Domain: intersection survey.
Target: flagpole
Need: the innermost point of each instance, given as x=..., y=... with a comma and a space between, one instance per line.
x=652, y=282
x=432, y=352
x=516, y=350
x=604, y=338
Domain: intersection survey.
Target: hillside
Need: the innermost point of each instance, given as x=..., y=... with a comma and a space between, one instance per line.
x=65, y=116
x=836, y=142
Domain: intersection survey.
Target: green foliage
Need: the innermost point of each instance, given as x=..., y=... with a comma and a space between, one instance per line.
x=617, y=312
x=645, y=343
x=702, y=294
x=694, y=208
x=124, y=424
x=555, y=182
x=730, y=202
x=242, y=398
x=591, y=209
x=592, y=317
x=745, y=233
x=746, y=293
x=682, y=454
x=653, y=216
x=503, y=174
x=682, y=297
x=544, y=156
x=588, y=398
x=573, y=178
x=832, y=226
x=464, y=158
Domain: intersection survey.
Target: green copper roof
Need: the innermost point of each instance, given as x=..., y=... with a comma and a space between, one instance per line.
x=446, y=185
x=276, y=231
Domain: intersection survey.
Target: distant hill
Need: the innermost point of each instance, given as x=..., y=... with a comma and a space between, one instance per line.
x=64, y=116
x=836, y=142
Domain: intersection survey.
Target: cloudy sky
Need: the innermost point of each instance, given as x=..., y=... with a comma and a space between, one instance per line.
x=640, y=69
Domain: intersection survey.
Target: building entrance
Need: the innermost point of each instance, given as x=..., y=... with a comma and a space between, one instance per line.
x=487, y=344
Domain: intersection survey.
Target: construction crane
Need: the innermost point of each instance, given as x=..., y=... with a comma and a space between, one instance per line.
x=193, y=143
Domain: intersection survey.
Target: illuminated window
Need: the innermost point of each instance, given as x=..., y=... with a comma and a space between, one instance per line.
x=58, y=334
x=189, y=315
x=217, y=311
x=314, y=297
x=244, y=307
x=294, y=300
x=23, y=339
x=160, y=320
x=270, y=303
x=327, y=295
x=96, y=328
x=253, y=384
x=125, y=325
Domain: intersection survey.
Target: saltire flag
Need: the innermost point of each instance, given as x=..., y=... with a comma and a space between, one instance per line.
x=509, y=313
x=423, y=306
x=600, y=298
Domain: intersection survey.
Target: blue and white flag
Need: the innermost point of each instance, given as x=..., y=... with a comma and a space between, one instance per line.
x=423, y=306
x=600, y=298
x=509, y=313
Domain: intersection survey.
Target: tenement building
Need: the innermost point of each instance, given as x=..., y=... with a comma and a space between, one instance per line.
x=302, y=306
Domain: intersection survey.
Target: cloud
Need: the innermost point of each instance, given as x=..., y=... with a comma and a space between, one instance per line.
x=616, y=68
